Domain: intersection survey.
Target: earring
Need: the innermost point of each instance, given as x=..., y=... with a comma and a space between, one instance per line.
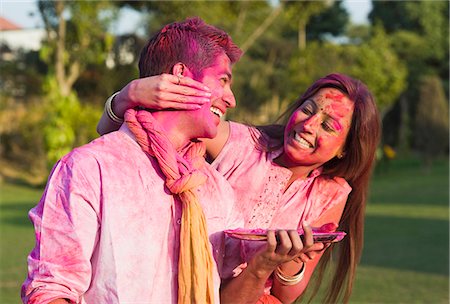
x=340, y=155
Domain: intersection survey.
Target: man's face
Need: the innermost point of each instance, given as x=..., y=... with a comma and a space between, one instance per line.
x=218, y=78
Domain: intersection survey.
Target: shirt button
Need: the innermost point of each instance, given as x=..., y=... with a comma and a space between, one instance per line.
x=179, y=221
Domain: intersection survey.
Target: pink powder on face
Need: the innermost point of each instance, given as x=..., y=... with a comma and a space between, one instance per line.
x=292, y=120
x=334, y=96
x=337, y=126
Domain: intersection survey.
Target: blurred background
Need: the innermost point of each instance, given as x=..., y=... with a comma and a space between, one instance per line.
x=61, y=60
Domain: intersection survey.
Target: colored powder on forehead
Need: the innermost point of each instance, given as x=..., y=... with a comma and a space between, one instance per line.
x=334, y=96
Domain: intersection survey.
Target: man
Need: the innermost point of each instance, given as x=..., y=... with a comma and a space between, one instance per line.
x=122, y=218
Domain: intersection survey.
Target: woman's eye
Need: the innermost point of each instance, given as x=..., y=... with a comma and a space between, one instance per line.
x=307, y=110
x=327, y=127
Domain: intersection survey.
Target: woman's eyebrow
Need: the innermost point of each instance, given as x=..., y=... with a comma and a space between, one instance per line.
x=312, y=102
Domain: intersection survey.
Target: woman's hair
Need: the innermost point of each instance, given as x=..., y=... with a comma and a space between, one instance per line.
x=355, y=167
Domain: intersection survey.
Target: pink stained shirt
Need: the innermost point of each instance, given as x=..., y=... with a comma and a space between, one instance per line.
x=107, y=229
x=259, y=185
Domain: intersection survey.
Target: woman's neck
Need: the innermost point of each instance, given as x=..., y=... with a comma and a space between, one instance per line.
x=298, y=171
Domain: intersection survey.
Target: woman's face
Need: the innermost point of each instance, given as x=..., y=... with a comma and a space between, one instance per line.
x=317, y=130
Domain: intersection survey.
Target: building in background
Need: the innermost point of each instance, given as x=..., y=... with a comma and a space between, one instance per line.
x=15, y=39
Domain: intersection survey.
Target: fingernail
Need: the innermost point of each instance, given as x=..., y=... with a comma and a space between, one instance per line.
x=305, y=223
x=205, y=100
x=207, y=94
x=206, y=88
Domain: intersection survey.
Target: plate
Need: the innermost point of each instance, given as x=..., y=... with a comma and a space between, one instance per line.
x=261, y=235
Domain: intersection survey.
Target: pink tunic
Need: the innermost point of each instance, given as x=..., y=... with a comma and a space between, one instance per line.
x=107, y=229
x=259, y=186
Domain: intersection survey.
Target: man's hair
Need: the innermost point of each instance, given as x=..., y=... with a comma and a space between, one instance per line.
x=192, y=42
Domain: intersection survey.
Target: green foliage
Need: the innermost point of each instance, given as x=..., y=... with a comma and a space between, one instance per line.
x=422, y=31
x=393, y=15
x=303, y=11
x=374, y=62
x=432, y=120
x=433, y=22
x=419, y=32
x=379, y=67
x=86, y=38
x=332, y=21
x=22, y=149
x=410, y=40
x=238, y=18
x=77, y=36
x=67, y=122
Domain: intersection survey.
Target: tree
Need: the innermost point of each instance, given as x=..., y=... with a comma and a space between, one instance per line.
x=77, y=35
x=332, y=21
x=300, y=13
x=432, y=121
x=245, y=21
x=420, y=32
x=380, y=67
x=374, y=62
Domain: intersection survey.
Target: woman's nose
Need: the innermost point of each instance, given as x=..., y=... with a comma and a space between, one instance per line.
x=311, y=123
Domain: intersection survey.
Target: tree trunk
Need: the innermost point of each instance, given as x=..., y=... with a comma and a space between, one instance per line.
x=404, y=128
x=302, y=34
x=260, y=30
x=65, y=75
x=60, y=50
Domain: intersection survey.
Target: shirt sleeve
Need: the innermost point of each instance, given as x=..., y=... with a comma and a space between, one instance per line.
x=66, y=222
x=325, y=193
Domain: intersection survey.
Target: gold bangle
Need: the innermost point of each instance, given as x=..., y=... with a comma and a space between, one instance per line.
x=289, y=280
x=109, y=111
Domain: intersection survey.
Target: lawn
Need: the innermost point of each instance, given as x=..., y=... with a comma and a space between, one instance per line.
x=16, y=238
x=406, y=254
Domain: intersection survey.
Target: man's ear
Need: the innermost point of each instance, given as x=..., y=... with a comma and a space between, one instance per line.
x=180, y=69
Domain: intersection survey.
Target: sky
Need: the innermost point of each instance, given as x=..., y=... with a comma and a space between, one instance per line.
x=25, y=13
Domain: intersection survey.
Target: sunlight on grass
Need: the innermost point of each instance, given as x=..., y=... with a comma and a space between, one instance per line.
x=17, y=238
x=387, y=285
x=409, y=211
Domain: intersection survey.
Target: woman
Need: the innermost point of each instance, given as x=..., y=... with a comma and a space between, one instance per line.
x=301, y=170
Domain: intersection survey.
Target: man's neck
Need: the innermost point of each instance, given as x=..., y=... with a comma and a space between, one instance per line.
x=172, y=123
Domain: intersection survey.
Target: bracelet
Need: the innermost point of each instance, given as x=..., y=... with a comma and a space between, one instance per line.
x=109, y=111
x=289, y=280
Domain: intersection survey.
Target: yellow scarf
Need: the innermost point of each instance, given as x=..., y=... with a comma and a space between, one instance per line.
x=195, y=268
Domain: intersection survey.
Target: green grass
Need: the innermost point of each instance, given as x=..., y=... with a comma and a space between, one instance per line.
x=406, y=253
x=16, y=238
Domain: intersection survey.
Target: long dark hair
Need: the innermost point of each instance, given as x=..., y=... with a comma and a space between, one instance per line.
x=355, y=167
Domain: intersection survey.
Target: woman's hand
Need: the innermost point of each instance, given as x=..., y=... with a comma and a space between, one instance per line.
x=284, y=249
x=162, y=92
x=156, y=92
x=284, y=246
x=311, y=252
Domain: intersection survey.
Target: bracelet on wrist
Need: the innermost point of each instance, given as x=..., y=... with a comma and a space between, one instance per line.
x=109, y=111
x=289, y=280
